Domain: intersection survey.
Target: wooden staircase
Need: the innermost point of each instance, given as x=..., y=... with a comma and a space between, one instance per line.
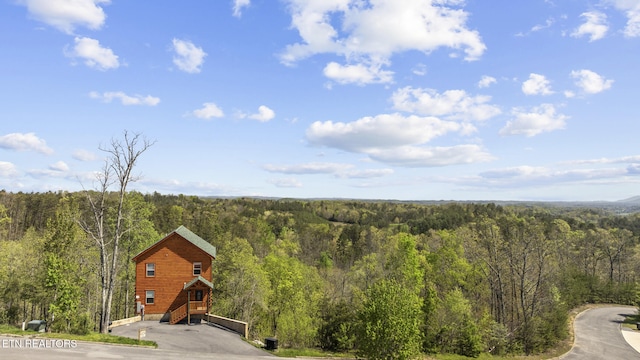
x=178, y=314
x=196, y=307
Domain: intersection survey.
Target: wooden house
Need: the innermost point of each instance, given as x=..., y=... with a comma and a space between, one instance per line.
x=174, y=277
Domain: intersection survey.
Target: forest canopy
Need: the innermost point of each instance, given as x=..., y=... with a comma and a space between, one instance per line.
x=462, y=278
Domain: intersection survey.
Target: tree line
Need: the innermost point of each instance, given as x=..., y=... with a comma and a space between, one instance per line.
x=384, y=279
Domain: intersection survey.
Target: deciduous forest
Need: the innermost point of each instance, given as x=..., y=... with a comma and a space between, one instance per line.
x=373, y=277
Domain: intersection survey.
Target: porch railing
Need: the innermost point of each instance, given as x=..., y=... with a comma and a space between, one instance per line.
x=195, y=307
x=198, y=307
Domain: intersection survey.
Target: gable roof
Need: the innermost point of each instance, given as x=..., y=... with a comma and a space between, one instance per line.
x=187, y=235
x=195, y=280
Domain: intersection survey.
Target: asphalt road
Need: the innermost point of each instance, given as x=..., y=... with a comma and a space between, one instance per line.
x=598, y=336
x=597, y=332
x=200, y=341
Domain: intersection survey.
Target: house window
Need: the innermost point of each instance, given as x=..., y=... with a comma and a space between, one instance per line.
x=151, y=270
x=197, y=268
x=150, y=296
x=199, y=295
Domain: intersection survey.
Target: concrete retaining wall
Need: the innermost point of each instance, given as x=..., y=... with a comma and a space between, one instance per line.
x=125, y=321
x=238, y=326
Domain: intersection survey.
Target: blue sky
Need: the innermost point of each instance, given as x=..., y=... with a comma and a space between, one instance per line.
x=372, y=99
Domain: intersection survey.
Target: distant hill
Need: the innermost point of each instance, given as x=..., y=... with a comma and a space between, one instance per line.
x=620, y=207
x=631, y=200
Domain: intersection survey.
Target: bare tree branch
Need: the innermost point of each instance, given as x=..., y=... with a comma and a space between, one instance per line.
x=122, y=158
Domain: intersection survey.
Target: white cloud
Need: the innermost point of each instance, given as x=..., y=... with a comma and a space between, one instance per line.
x=125, y=99
x=521, y=176
x=546, y=25
x=7, y=169
x=537, y=85
x=452, y=104
x=47, y=174
x=238, y=5
x=308, y=168
x=516, y=171
x=336, y=169
x=208, y=111
x=621, y=160
x=414, y=156
x=60, y=166
x=264, y=114
x=538, y=120
x=381, y=131
x=369, y=33
x=486, y=81
x=188, y=58
x=420, y=70
x=632, y=11
x=633, y=169
x=175, y=186
x=591, y=82
x=595, y=26
x=397, y=140
x=66, y=15
x=84, y=155
x=94, y=55
x=24, y=142
x=365, y=174
x=286, y=183
x=359, y=74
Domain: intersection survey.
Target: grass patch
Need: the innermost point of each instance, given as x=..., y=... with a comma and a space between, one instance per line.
x=485, y=356
x=631, y=321
x=91, y=337
x=314, y=353
x=8, y=329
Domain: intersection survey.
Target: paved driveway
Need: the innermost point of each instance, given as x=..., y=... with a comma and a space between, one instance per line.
x=198, y=338
x=598, y=335
x=92, y=351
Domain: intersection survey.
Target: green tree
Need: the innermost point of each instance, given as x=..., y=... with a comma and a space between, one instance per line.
x=336, y=330
x=457, y=331
x=613, y=244
x=293, y=300
x=363, y=274
x=389, y=322
x=527, y=252
x=14, y=259
x=404, y=264
x=242, y=285
x=5, y=221
x=139, y=234
x=63, y=280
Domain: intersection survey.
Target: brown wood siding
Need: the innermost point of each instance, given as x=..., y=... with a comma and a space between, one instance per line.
x=174, y=259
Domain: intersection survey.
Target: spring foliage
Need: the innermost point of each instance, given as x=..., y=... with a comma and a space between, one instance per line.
x=385, y=280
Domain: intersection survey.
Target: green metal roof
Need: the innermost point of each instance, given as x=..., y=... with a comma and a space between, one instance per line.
x=196, y=240
x=190, y=237
x=195, y=280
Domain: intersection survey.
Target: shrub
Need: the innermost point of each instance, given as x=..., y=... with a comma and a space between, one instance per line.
x=389, y=323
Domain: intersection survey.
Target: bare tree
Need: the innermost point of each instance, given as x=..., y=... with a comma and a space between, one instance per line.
x=119, y=164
